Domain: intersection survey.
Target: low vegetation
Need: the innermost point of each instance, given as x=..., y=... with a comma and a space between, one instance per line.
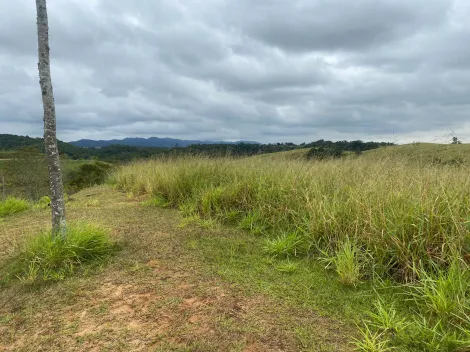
x=386, y=221
x=88, y=175
x=48, y=258
x=12, y=206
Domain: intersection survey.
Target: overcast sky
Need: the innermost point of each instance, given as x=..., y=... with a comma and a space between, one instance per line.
x=265, y=70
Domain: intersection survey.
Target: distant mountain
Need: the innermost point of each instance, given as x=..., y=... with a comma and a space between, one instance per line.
x=148, y=142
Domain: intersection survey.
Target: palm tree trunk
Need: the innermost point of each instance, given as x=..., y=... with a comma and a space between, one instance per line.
x=53, y=161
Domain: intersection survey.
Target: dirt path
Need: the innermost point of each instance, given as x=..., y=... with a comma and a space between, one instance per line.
x=155, y=295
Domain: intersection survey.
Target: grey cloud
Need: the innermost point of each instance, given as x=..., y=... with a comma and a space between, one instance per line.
x=283, y=70
x=306, y=25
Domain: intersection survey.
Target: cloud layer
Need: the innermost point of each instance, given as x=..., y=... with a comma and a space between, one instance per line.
x=267, y=70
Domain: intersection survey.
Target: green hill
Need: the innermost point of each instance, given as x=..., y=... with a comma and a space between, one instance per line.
x=452, y=154
x=449, y=154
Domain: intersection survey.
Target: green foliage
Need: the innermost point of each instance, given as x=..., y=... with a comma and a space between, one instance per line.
x=404, y=223
x=286, y=267
x=89, y=174
x=371, y=341
x=123, y=153
x=347, y=261
x=11, y=206
x=443, y=294
x=157, y=201
x=27, y=174
x=44, y=258
x=44, y=202
x=252, y=221
x=286, y=245
x=386, y=318
x=434, y=316
x=322, y=153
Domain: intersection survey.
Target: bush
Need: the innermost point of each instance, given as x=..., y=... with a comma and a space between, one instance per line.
x=12, y=206
x=87, y=175
x=44, y=202
x=45, y=258
x=322, y=153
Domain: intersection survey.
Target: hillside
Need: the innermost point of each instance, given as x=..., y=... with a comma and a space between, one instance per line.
x=10, y=142
x=230, y=255
x=154, y=142
x=424, y=152
x=432, y=153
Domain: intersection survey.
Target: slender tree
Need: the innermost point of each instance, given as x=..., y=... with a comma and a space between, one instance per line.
x=59, y=227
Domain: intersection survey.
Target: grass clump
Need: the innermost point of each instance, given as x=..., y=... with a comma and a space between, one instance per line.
x=348, y=261
x=48, y=258
x=286, y=245
x=12, y=206
x=433, y=315
x=371, y=341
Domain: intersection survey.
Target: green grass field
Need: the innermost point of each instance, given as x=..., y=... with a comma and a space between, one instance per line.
x=385, y=222
x=426, y=153
x=266, y=253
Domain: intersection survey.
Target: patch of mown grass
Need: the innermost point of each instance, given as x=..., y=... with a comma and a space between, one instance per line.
x=47, y=258
x=239, y=259
x=12, y=206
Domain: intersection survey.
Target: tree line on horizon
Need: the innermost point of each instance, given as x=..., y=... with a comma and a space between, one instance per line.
x=122, y=153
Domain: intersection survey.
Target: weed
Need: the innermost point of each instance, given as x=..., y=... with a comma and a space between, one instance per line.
x=286, y=267
x=286, y=245
x=347, y=261
x=252, y=222
x=12, y=206
x=45, y=258
x=386, y=318
x=443, y=294
x=371, y=341
x=156, y=201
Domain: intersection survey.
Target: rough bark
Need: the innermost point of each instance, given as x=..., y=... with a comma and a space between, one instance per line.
x=53, y=161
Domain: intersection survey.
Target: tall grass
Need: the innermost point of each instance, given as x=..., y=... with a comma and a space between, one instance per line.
x=11, y=206
x=404, y=216
x=384, y=219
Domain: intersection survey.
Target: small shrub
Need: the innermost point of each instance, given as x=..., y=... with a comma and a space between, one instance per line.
x=287, y=245
x=44, y=202
x=45, y=258
x=12, y=206
x=322, y=153
x=87, y=175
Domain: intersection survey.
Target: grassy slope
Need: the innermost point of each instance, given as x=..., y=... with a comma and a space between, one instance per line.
x=172, y=289
x=425, y=152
